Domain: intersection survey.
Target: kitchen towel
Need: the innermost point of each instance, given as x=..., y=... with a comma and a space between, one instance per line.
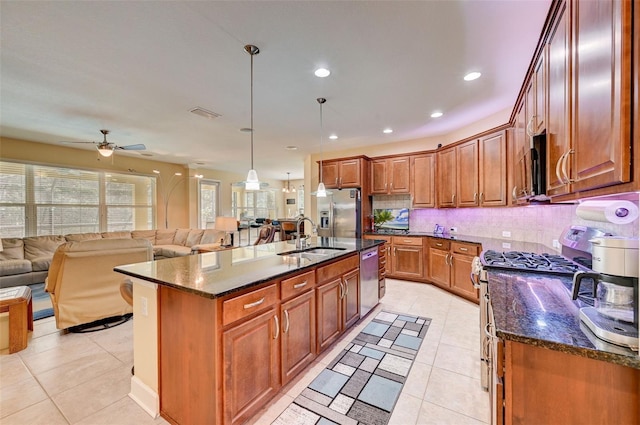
x=618, y=212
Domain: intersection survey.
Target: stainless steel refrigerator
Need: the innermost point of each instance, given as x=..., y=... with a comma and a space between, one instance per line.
x=339, y=214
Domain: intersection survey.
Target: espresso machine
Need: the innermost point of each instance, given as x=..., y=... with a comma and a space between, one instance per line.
x=614, y=316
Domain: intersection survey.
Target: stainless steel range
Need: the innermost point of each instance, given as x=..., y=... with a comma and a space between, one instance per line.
x=528, y=261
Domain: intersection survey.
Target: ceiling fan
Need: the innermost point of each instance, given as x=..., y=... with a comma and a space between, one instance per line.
x=106, y=149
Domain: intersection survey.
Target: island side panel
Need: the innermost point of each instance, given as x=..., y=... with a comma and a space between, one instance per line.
x=189, y=355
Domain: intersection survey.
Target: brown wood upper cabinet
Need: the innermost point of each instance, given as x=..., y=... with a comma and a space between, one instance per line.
x=423, y=173
x=467, y=157
x=596, y=95
x=493, y=170
x=390, y=175
x=446, y=177
x=343, y=173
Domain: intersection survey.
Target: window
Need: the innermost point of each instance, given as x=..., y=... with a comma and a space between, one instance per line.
x=207, y=203
x=247, y=205
x=42, y=200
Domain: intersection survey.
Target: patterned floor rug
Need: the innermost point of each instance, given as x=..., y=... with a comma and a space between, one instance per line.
x=41, y=302
x=362, y=384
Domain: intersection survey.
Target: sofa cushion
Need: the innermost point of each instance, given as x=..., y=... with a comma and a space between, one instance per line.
x=123, y=234
x=13, y=249
x=171, y=251
x=41, y=264
x=42, y=246
x=165, y=237
x=149, y=235
x=181, y=236
x=78, y=237
x=194, y=237
x=13, y=267
x=212, y=236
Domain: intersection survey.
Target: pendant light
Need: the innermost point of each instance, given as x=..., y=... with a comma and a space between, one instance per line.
x=288, y=189
x=321, y=192
x=252, y=182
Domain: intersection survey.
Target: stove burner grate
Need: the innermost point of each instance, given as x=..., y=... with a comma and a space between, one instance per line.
x=528, y=261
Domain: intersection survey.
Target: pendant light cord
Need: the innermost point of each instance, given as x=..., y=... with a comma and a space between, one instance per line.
x=321, y=100
x=251, y=54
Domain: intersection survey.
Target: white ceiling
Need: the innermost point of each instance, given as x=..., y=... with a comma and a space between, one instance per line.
x=70, y=68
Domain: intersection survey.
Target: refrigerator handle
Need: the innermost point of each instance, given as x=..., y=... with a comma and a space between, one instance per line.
x=332, y=218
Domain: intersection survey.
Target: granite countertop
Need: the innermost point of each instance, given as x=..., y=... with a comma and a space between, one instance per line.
x=537, y=309
x=496, y=244
x=216, y=274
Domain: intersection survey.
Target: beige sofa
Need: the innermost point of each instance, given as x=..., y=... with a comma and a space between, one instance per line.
x=82, y=284
x=24, y=261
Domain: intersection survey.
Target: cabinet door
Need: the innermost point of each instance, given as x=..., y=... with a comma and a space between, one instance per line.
x=467, y=174
x=559, y=52
x=379, y=183
x=329, y=312
x=351, y=297
x=439, y=267
x=251, y=366
x=602, y=93
x=460, y=272
x=493, y=170
x=521, y=158
x=349, y=175
x=423, y=169
x=408, y=261
x=298, y=346
x=540, y=101
x=447, y=178
x=330, y=172
x=398, y=169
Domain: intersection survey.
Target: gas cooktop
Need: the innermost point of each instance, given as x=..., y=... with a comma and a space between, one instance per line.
x=528, y=261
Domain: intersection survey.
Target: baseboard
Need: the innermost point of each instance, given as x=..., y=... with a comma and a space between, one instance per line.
x=145, y=397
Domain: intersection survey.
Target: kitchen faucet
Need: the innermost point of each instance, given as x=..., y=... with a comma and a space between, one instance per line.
x=301, y=243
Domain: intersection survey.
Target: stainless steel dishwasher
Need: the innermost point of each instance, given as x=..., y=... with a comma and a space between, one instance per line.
x=368, y=280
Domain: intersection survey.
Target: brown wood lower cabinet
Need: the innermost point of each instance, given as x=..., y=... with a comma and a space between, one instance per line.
x=543, y=386
x=407, y=256
x=298, y=334
x=338, y=299
x=251, y=365
x=449, y=266
x=221, y=360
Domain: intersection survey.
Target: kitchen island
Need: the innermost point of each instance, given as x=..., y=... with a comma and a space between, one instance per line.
x=217, y=335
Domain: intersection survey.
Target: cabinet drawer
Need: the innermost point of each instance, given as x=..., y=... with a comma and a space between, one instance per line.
x=244, y=305
x=338, y=268
x=464, y=248
x=297, y=284
x=439, y=243
x=403, y=240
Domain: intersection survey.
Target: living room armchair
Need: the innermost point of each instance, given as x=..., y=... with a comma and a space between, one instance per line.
x=82, y=284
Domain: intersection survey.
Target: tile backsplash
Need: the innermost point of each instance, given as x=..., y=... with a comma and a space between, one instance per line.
x=534, y=223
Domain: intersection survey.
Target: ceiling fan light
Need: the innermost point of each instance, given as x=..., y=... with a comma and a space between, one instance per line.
x=105, y=151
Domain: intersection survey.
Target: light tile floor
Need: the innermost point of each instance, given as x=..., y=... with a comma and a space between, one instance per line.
x=85, y=378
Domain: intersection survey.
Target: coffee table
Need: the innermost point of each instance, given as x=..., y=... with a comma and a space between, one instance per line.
x=17, y=301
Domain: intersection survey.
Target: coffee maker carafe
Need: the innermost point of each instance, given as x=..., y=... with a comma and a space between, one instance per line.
x=614, y=317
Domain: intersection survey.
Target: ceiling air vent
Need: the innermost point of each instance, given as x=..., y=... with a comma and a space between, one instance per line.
x=205, y=113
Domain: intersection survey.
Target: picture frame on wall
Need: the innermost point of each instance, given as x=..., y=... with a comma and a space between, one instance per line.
x=291, y=201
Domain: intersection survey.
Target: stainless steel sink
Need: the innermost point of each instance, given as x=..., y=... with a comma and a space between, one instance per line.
x=313, y=252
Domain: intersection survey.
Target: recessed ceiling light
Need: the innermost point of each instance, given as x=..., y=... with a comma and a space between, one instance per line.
x=436, y=114
x=291, y=148
x=472, y=76
x=322, y=72
x=333, y=137
x=387, y=131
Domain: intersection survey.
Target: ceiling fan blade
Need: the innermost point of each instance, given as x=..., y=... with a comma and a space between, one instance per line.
x=67, y=141
x=138, y=147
